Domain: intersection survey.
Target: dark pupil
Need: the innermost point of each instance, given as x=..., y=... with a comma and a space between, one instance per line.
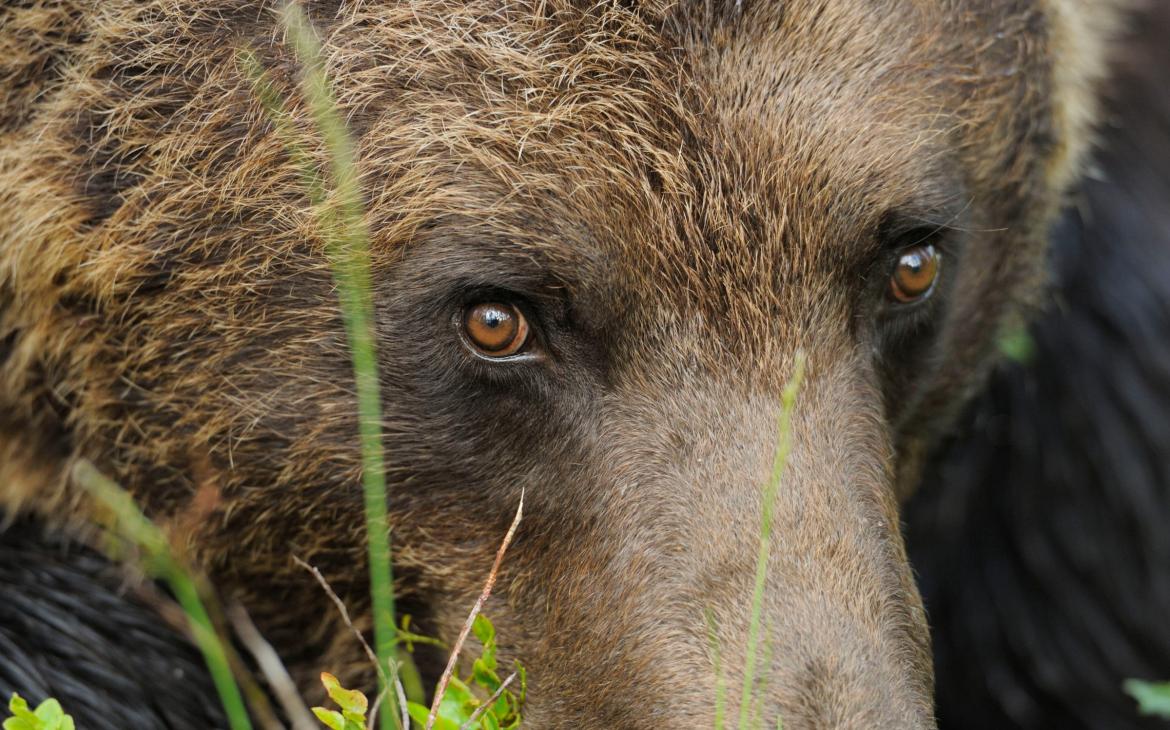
x=492, y=327
x=494, y=318
x=913, y=263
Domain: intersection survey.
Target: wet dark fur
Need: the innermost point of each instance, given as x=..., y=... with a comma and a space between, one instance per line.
x=74, y=628
x=682, y=197
x=1042, y=537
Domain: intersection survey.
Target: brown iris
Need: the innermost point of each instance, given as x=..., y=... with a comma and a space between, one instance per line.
x=915, y=273
x=495, y=329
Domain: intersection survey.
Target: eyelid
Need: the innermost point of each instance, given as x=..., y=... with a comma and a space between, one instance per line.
x=903, y=237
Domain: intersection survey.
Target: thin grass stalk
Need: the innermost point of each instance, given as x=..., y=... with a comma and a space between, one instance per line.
x=273, y=670
x=783, y=448
x=761, y=692
x=349, y=255
x=134, y=527
x=441, y=689
x=720, y=680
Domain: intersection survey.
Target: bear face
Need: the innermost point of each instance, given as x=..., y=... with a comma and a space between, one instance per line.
x=669, y=202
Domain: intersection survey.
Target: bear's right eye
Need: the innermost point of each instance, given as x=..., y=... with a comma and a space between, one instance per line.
x=495, y=329
x=914, y=274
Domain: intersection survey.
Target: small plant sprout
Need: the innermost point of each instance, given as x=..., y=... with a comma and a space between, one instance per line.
x=1153, y=698
x=353, y=706
x=463, y=706
x=47, y=716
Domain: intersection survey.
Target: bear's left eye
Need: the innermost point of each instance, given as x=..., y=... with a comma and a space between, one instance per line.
x=495, y=329
x=915, y=273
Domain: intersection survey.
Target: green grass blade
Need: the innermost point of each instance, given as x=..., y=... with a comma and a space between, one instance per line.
x=762, y=687
x=349, y=253
x=783, y=448
x=720, y=679
x=342, y=223
x=133, y=526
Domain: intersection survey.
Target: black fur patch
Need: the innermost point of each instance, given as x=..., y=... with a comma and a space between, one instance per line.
x=70, y=629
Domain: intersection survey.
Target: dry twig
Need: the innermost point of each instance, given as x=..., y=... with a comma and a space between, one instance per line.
x=483, y=596
x=365, y=646
x=491, y=701
x=343, y=611
x=272, y=668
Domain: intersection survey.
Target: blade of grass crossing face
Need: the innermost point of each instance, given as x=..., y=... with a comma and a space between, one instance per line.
x=274, y=108
x=282, y=119
x=762, y=686
x=783, y=447
x=348, y=251
x=720, y=679
x=134, y=527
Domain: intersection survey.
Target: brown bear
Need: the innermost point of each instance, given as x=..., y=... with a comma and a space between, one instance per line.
x=602, y=234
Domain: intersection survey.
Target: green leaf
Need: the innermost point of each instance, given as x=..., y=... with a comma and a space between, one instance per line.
x=446, y=723
x=50, y=714
x=457, y=693
x=503, y=707
x=18, y=706
x=450, y=713
x=485, y=677
x=489, y=660
x=451, y=716
x=349, y=700
x=1153, y=698
x=483, y=630
x=47, y=716
x=458, y=703
x=329, y=718
x=418, y=713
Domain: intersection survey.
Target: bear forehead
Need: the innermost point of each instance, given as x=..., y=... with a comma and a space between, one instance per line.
x=692, y=154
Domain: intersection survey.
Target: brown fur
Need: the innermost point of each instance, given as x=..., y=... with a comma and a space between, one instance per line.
x=685, y=195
